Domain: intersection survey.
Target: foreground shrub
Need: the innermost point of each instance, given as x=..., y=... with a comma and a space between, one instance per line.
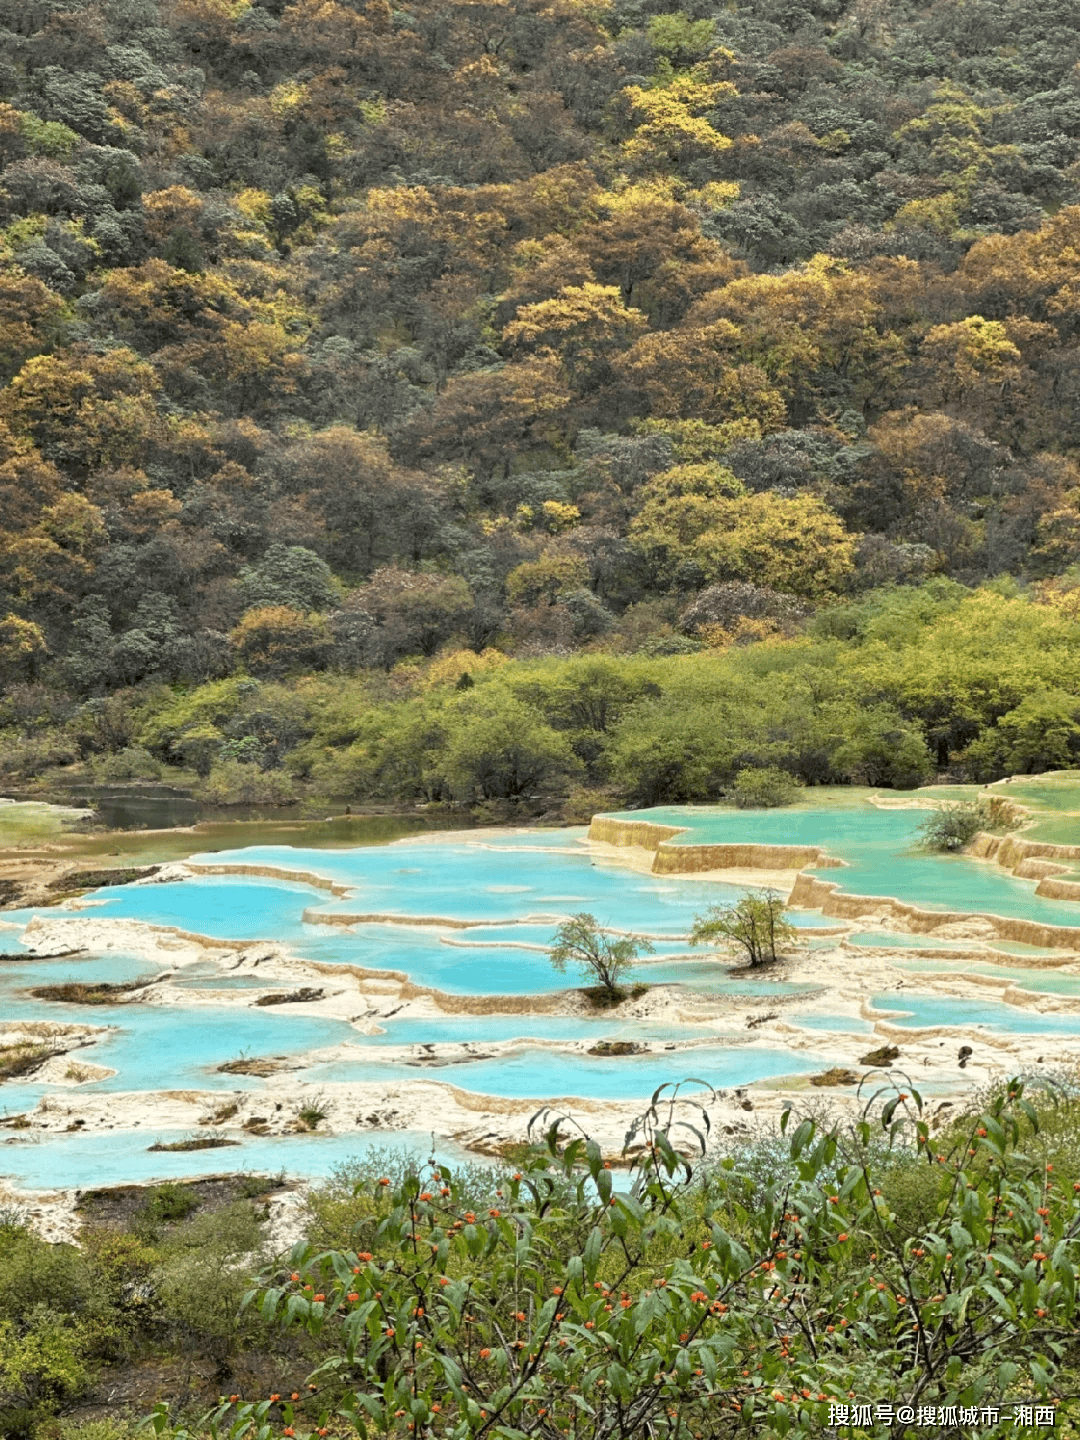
x=571, y=1308
x=42, y=1365
x=132, y=763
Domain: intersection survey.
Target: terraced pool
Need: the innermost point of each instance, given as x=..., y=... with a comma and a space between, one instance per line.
x=473, y=915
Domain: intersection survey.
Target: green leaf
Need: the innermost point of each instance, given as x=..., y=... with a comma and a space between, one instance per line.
x=593, y=1249
x=802, y=1135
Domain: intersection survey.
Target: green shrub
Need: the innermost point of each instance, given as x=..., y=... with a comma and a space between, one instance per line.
x=132, y=763
x=951, y=827
x=168, y=1203
x=650, y=1312
x=234, y=782
x=33, y=1272
x=201, y=1279
x=582, y=804
x=765, y=787
x=110, y=1429
x=23, y=757
x=42, y=1366
x=347, y=1206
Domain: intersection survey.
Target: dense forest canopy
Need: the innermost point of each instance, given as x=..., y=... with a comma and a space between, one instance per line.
x=463, y=399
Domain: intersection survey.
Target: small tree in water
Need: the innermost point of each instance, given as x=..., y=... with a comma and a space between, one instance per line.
x=603, y=959
x=755, y=923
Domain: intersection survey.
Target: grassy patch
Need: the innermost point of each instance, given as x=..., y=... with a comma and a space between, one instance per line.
x=22, y=1059
x=838, y=1075
x=303, y=996
x=311, y=1115
x=196, y=1142
x=75, y=992
x=253, y=1065
x=95, y=879
x=222, y=1113
x=618, y=1047
x=883, y=1055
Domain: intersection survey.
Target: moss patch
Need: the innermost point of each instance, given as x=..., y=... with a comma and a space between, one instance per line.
x=196, y=1142
x=75, y=992
x=838, y=1075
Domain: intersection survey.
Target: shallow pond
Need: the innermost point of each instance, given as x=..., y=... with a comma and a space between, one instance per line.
x=924, y=1012
x=1043, y=982
x=155, y=1047
x=122, y=1157
x=536, y=1073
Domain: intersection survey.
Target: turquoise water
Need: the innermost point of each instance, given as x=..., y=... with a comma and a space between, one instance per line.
x=533, y=1072
x=1046, y=982
x=156, y=1047
x=1017, y=947
x=121, y=1156
x=509, y=891
x=481, y=1029
x=112, y=968
x=927, y=1011
x=527, y=892
x=880, y=848
x=889, y=940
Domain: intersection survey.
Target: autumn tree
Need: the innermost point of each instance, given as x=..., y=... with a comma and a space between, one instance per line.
x=697, y=519
x=85, y=410
x=23, y=648
x=584, y=326
x=696, y=373
x=276, y=640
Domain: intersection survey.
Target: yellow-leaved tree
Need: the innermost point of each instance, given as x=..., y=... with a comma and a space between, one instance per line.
x=669, y=123
x=584, y=326
x=698, y=525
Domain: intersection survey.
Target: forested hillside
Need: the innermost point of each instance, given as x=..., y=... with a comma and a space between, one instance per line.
x=472, y=400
